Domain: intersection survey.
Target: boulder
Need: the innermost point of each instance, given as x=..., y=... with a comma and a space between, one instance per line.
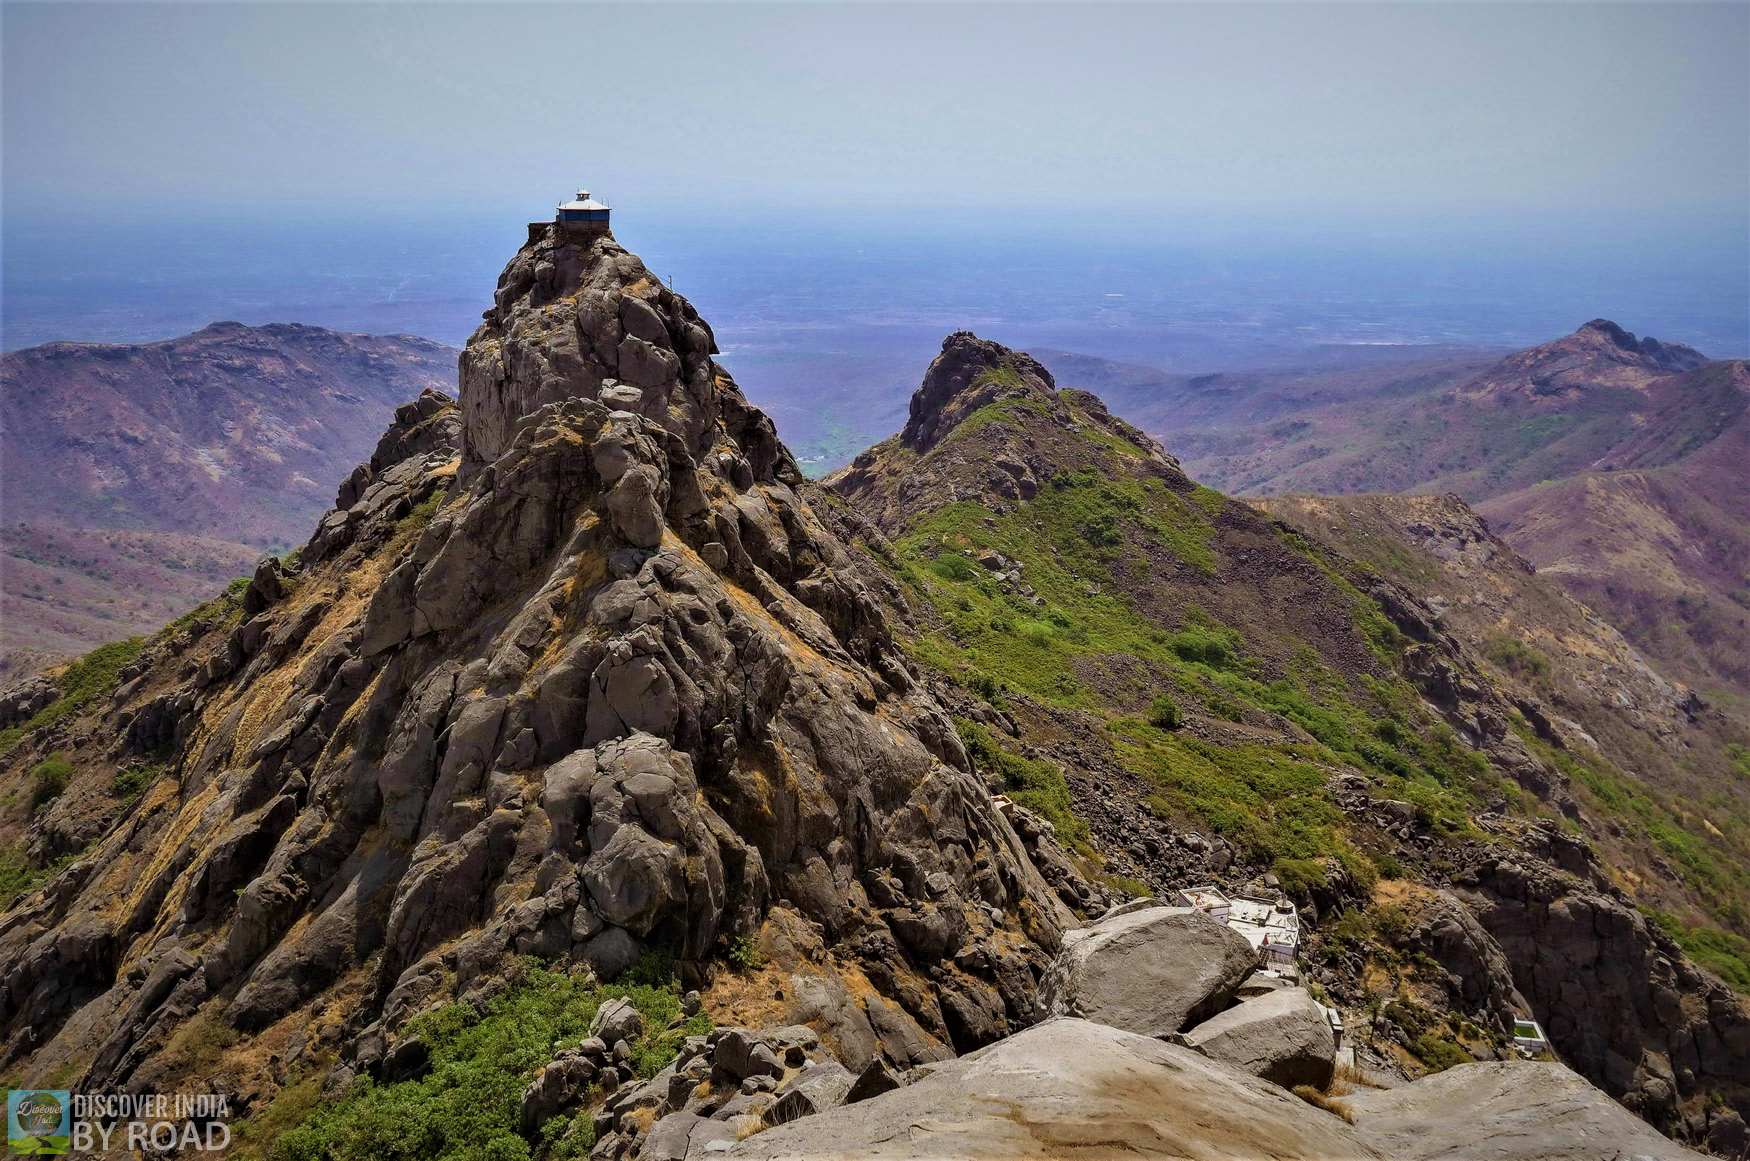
x=740, y=1054
x=559, y=1087
x=669, y=1137
x=875, y=1079
x=1069, y=1088
x=616, y=1020
x=1282, y=1036
x=1506, y=1111
x=1153, y=971
x=1259, y=984
x=815, y=1089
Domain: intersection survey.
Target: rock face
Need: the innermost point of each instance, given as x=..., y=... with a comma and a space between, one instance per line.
x=968, y=374
x=722, y=1086
x=598, y=680
x=1154, y=971
x=1070, y=1088
x=1616, y=997
x=1599, y=354
x=1282, y=1036
x=1516, y=1111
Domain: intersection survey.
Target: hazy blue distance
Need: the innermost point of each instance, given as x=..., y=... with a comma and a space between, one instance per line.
x=837, y=187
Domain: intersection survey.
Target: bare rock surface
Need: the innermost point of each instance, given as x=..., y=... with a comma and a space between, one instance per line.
x=1512, y=1111
x=1070, y=1088
x=1282, y=1036
x=1152, y=971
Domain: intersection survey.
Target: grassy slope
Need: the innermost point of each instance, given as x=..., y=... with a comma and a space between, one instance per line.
x=1130, y=597
x=1677, y=809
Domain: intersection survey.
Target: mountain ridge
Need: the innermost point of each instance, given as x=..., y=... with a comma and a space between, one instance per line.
x=1613, y=462
x=579, y=667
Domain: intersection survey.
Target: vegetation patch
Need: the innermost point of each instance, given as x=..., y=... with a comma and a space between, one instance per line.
x=1721, y=952
x=467, y=1105
x=1000, y=410
x=1163, y=713
x=17, y=876
x=1038, y=786
x=1708, y=862
x=48, y=779
x=1516, y=657
x=131, y=781
x=92, y=676
x=1053, y=637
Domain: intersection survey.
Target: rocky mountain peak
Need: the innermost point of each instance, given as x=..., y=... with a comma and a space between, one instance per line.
x=1600, y=354
x=970, y=373
x=1665, y=356
x=990, y=423
x=583, y=672
x=584, y=319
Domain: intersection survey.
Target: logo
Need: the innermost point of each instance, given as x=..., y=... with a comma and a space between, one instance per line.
x=38, y=1121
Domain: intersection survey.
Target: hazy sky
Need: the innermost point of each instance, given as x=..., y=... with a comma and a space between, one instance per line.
x=1277, y=111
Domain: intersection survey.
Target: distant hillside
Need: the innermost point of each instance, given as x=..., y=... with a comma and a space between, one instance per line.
x=1657, y=535
x=1613, y=462
x=1677, y=761
x=137, y=479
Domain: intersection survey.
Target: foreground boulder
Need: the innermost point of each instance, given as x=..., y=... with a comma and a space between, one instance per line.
x=1073, y=1088
x=1513, y=1111
x=1152, y=971
x=1069, y=1087
x=1282, y=1036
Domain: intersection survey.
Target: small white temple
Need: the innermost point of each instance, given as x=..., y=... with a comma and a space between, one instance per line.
x=1271, y=926
x=584, y=214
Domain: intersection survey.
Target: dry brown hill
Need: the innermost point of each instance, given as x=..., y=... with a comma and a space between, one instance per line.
x=136, y=480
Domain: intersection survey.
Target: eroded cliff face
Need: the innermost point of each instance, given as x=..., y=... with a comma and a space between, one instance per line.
x=1616, y=995
x=573, y=671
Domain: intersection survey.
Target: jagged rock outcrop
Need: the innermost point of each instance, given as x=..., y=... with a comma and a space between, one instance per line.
x=1599, y=354
x=22, y=699
x=1616, y=996
x=596, y=681
x=975, y=377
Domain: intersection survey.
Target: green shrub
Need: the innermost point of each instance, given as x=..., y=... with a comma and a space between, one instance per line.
x=1438, y=1053
x=1216, y=648
x=1103, y=531
x=1163, y=713
x=951, y=566
x=745, y=954
x=48, y=778
x=466, y=1107
x=984, y=685
x=131, y=781
x=16, y=874
x=1516, y=657
x=1300, y=877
